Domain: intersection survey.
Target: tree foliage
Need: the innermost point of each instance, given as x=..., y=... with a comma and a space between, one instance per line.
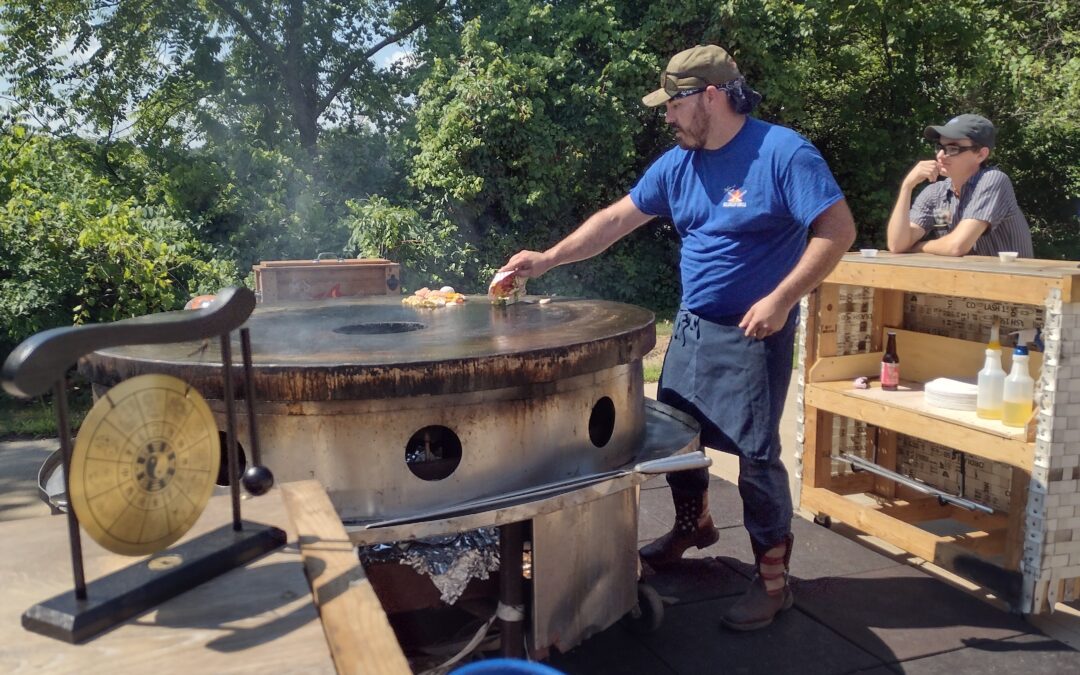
x=529, y=123
x=531, y=116
x=75, y=249
x=430, y=252
x=268, y=71
x=263, y=130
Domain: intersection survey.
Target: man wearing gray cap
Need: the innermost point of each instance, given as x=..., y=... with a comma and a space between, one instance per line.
x=762, y=222
x=972, y=211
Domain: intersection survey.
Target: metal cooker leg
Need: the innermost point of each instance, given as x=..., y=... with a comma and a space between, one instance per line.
x=511, y=610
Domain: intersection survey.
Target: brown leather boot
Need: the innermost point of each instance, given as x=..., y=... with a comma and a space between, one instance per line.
x=769, y=592
x=693, y=527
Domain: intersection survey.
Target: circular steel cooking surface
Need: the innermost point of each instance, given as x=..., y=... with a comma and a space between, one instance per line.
x=375, y=347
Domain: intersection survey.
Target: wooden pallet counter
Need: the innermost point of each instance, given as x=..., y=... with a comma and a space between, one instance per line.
x=1028, y=549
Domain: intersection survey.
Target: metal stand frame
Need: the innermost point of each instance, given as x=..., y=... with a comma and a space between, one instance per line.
x=110, y=600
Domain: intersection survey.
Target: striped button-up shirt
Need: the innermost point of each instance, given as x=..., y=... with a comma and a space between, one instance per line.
x=987, y=196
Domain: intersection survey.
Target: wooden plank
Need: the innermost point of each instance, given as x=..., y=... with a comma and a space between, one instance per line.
x=830, y=368
x=914, y=540
x=1037, y=267
x=1040, y=603
x=817, y=432
x=918, y=510
x=924, y=357
x=828, y=313
x=1018, y=497
x=888, y=314
x=813, y=305
x=988, y=522
x=867, y=519
x=357, y=630
x=905, y=412
x=327, y=262
x=909, y=396
x=885, y=441
x=1028, y=282
x=1070, y=289
x=986, y=544
x=929, y=508
x=852, y=483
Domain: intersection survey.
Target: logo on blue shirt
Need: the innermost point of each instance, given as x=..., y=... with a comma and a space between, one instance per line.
x=734, y=198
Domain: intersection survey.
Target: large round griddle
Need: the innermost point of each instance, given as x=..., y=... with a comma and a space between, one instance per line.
x=349, y=349
x=398, y=409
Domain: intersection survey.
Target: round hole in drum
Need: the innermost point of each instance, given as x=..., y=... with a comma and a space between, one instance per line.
x=602, y=422
x=379, y=328
x=433, y=453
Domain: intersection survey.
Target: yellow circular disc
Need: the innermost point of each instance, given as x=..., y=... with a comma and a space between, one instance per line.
x=144, y=464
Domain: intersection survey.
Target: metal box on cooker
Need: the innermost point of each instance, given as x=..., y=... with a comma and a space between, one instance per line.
x=324, y=278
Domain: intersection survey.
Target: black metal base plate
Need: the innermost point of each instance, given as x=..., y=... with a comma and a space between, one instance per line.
x=118, y=596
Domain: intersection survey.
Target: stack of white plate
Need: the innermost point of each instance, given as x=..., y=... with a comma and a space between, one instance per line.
x=951, y=394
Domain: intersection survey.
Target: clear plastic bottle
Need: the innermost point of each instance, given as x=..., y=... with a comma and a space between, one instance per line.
x=995, y=331
x=1019, y=391
x=988, y=402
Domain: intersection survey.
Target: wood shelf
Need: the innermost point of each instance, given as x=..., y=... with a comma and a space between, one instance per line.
x=906, y=412
x=1022, y=281
x=889, y=522
x=990, y=546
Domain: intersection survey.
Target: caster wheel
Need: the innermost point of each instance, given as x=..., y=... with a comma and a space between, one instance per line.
x=823, y=520
x=648, y=614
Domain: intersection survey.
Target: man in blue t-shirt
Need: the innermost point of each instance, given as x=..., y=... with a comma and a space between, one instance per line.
x=762, y=222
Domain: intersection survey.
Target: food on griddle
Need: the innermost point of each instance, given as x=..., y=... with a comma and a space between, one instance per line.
x=506, y=287
x=427, y=298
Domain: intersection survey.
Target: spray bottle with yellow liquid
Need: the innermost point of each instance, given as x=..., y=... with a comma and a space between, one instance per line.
x=1019, y=391
x=988, y=400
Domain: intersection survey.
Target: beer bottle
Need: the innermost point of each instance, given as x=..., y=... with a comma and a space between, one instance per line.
x=890, y=365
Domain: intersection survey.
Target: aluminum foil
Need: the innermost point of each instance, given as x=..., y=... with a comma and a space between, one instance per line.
x=451, y=561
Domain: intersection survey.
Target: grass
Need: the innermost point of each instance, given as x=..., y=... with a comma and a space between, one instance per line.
x=36, y=418
x=654, y=360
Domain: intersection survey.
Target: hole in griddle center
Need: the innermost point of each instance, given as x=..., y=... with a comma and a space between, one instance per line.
x=602, y=422
x=433, y=453
x=380, y=328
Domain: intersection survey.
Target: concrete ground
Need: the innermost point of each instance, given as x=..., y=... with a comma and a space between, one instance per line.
x=861, y=606
x=19, y=464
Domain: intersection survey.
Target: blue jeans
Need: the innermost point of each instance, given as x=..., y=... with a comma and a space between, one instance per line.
x=735, y=388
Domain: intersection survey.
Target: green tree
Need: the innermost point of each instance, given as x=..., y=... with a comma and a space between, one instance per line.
x=75, y=249
x=258, y=121
x=527, y=123
x=530, y=118
x=267, y=70
x=430, y=251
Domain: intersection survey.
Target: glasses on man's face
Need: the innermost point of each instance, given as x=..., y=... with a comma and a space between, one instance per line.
x=671, y=86
x=688, y=92
x=954, y=150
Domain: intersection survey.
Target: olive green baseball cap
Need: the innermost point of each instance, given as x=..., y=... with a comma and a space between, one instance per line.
x=975, y=128
x=693, y=69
